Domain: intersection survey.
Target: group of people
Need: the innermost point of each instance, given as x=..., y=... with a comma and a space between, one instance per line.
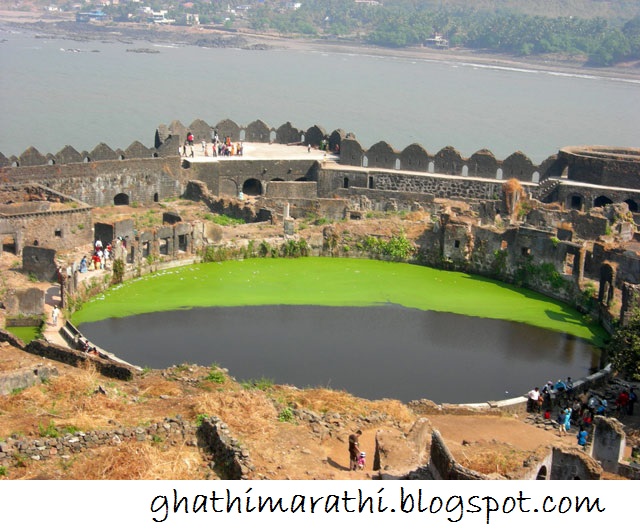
x=99, y=257
x=625, y=402
x=577, y=410
x=541, y=399
x=219, y=147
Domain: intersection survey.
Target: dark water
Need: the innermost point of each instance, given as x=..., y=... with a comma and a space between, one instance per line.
x=372, y=352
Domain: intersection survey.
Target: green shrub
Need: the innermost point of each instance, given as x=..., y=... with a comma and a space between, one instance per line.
x=294, y=249
x=118, y=271
x=225, y=220
x=215, y=375
x=623, y=350
x=264, y=383
x=286, y=415
x=50, y=431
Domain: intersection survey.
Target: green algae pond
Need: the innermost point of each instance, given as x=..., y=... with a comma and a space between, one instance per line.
x=203, y=313
x=335, y=282
x=25, y=333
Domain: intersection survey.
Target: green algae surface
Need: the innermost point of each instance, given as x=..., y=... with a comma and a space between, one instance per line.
x=25, y=333
x=334, y=282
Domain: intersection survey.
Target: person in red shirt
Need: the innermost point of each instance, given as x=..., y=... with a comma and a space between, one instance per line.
x=622, y=402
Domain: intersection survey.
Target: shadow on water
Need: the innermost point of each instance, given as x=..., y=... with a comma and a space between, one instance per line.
x=373, y=352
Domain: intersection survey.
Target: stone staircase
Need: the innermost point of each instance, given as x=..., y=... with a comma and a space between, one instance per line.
x=546, y=188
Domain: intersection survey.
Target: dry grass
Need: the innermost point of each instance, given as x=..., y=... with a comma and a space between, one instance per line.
x=131, y=461
x=323, y=400
x=493, y=458
x=248, y=413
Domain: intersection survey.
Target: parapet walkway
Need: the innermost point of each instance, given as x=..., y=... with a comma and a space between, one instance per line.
x=260, y=151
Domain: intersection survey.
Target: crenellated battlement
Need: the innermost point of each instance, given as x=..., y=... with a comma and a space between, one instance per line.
x=578, y=177
x=169, y=138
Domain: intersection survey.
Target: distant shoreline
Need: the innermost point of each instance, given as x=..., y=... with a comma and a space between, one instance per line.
x=66, y=27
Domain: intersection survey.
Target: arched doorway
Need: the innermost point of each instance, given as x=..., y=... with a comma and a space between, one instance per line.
x=601, y=201
x=575, y=202
x=633, y=205
x=252, y=187
x=542, y=473
x=121, y=199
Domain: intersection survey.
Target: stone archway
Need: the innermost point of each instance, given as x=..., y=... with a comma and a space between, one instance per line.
x=542, y=473
x=601, y=201
x=252, y=187
x=228, y=187
x=121, y=199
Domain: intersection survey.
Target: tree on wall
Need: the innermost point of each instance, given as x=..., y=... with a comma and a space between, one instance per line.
x=624, y=349
x=512, y=190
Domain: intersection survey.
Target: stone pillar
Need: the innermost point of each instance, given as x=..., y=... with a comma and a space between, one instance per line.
x=630, y=302
x=608, y=443
x=289, y=228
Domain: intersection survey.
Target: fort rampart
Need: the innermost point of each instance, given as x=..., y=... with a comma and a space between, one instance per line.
x=145, y=175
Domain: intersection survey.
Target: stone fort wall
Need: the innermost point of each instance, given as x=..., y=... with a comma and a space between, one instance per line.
x=147, y=174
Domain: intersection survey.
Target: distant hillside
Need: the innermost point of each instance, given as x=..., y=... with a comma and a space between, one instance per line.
x=609, y=9
x=596, y=32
